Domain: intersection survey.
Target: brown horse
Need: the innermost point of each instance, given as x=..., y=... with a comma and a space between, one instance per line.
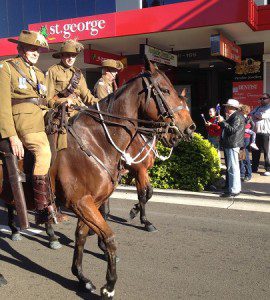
x=84, y=175
x=140, y=173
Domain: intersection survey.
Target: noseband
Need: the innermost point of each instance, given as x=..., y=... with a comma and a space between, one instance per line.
x=165, y=111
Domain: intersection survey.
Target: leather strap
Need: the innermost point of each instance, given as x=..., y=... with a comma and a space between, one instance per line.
x=73, y=84
x=36, y=101
x=29, y=80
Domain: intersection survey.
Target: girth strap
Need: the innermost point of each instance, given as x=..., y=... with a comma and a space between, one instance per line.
x=89, y=153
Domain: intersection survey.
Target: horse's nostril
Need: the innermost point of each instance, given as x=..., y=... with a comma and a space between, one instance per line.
x=192, y=127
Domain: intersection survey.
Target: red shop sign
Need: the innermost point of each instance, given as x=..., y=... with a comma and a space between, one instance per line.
x=226, y=48
x=248, y=92
x=95, y=57
x=86, y=28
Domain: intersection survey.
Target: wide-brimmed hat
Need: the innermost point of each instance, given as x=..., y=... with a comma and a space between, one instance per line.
x=233, y=103
x=31, y=38
x=111, y=63
x=69, y=46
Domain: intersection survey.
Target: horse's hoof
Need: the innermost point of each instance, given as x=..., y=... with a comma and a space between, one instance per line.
x=105, y=294
x=151, y=228
x=2, y=280
x=16, y=237
x=87, y=287
x=133, y=213
x=55, y=245
x=106, y=257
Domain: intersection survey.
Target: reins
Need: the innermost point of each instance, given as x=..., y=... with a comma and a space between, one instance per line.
x=154, y=128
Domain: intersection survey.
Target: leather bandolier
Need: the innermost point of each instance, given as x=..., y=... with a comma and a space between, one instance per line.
x=15, y=178
x=73, y=84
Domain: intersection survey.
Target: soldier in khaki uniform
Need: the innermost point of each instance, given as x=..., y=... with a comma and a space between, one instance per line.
x=22, y=107
x=65, y=82
x=106, y=84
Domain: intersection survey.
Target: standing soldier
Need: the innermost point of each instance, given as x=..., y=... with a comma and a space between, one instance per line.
x=65, y=82
x=106, y=84
x=22, y=107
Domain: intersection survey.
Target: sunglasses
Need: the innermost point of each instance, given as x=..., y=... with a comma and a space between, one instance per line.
x=264, y=98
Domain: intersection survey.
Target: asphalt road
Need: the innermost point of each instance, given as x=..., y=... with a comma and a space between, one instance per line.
x=198, y=253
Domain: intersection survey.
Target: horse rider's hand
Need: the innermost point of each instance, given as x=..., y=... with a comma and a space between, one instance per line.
x=220, y=118
x=69, y=102
x=208, y=123
x=16, y=146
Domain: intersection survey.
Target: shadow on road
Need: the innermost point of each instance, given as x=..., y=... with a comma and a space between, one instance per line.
x=25, y=263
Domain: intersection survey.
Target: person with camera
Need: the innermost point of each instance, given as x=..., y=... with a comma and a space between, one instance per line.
x=232, y=139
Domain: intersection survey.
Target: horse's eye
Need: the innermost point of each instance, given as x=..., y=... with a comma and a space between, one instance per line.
x=165, y=91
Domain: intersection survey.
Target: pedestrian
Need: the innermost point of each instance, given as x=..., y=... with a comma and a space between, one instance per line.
x=66, y=82
x=249, y=142
x=107, y=83
x=213, y=129
x=23, y=104
x=232, y=139
x=261, y=117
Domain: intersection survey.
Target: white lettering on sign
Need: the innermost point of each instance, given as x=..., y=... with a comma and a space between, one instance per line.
x=160, y=56
x=68, y=29
x=247, y=87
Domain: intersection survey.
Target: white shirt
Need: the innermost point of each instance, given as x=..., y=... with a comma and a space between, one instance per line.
x=263, y=125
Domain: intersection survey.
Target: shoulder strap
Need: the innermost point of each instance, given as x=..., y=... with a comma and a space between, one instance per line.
x=73, y=84
x=20, y=71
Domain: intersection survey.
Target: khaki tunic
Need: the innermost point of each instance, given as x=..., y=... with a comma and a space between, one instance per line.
x=23, y=118
x=58, y=77
x=103, y=88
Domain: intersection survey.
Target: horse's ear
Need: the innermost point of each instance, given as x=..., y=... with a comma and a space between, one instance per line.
x=148, y=65
x=184, y=92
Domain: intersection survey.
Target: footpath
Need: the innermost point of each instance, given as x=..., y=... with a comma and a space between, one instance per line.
x=255, y=195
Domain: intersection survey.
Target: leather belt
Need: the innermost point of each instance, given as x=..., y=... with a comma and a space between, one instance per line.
x=36, y=101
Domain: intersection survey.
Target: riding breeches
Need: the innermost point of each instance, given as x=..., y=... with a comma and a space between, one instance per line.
x=38, y=144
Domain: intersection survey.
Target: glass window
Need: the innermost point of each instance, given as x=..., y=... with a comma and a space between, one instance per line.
x=3, y=19
x=174, y=1
x=66, y=9
x=48, y=10
x=31, y=12
x=85, y=8
x=105, y=6
x=15, y=17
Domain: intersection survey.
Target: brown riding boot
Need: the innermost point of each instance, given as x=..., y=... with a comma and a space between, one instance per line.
x=45, y=211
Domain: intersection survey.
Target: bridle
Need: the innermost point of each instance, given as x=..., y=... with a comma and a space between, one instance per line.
x=155, y=93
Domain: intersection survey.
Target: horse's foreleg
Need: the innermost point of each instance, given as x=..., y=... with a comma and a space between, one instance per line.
x=15, y=232
x=89, y=213
x=53, y=239
x=81, y=234
x=145, y=192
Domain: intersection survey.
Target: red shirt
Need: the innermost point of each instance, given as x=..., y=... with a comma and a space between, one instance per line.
x=247, y=126
x=214, y=129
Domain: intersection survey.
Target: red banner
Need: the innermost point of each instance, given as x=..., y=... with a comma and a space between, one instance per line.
x=248, y=92
x=7, y=48
x=130, y=72
x=95, y=57
x=226, y=48
x=86, y=28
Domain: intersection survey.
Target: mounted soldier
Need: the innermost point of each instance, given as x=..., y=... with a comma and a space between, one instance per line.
x=65, y=82
x=23, y=104
x=107, y=84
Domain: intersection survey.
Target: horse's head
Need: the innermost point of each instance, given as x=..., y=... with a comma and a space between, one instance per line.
x=163, y=104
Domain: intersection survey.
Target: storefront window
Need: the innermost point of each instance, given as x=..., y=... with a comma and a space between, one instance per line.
x=105, y=6
x=150, y=3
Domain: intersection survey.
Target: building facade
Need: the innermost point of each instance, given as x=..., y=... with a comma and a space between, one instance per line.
x=216, y=49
